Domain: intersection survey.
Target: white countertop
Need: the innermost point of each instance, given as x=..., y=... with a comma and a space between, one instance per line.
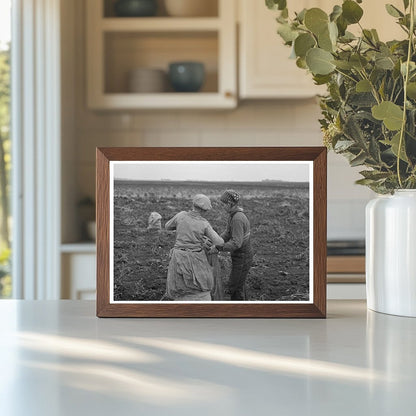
x=57, y=358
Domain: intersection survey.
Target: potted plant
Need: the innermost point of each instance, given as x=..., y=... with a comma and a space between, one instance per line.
x=368, y=116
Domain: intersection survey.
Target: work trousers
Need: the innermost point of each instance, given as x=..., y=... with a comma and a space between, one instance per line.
x=241, y=262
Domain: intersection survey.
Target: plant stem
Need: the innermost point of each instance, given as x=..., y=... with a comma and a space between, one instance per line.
x=346, y=75
x=405, y=81
x=373, y=88
x=392, y=91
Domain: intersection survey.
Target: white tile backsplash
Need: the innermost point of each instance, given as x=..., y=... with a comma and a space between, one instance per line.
x=171, y=138
x=208, y=119
x=346, y=219
x=168, y=120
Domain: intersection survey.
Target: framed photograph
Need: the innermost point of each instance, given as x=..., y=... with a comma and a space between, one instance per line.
x=211, y=232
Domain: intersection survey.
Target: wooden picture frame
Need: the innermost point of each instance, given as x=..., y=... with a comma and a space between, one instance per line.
x=242, y=157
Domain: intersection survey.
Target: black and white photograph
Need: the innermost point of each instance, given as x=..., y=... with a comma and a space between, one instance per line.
x=192, y=231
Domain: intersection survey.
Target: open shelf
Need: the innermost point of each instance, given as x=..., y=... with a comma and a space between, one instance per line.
x=116, y=46
x=210, y=7
x=127, y=51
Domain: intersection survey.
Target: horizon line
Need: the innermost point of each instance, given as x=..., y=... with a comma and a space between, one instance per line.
x=196, y=180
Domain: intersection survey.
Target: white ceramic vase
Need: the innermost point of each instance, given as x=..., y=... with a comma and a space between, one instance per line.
x=391, y=253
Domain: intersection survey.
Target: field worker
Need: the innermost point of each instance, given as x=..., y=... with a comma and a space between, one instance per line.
x=237, y=242
x=190, y=276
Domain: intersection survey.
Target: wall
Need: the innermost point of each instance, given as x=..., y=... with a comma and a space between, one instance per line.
x=253, y=123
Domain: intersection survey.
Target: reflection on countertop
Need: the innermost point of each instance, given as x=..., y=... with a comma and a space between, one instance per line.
x=354, y=362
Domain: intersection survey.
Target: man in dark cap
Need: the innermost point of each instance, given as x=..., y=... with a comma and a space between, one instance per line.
x=237, y=242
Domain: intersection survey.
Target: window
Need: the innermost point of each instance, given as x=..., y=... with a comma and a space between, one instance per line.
x=5, y=147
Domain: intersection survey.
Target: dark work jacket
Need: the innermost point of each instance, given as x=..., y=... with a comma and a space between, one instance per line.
x=237, y=234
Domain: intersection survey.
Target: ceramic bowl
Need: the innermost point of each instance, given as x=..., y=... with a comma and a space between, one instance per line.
x=186, y=76
x=135, y=8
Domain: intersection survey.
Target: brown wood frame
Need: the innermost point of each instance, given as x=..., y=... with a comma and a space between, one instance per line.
x=317, y=309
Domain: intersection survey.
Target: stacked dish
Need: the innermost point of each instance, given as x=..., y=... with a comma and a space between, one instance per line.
x=147, y=80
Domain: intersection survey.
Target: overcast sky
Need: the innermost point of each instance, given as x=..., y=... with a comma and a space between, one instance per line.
x=213, y=171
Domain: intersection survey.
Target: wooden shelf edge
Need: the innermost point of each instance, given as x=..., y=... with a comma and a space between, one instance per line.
x=126, y=101
x=81, y=247
x=160, y=24
x=345, y=278
x=346, y=264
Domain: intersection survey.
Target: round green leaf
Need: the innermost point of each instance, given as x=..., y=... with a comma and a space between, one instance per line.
x=393, y=11
x=276, y=4
x=342, y=25
x=301, y=63
x=391, y=114
x=351, y=11
x=384, y=62
x=322, y=79
x=316, y=20
x=333, y=32
x=363, y=86
x=375, y=35
x=287, y=33
x=336, y=12
x=301, y=15
x=358, y=61
x=303, y=43
x=327, y=39
x=344, y=65
x=319, y=61
x=325, y=42
x=395, y=144
x=411, y=90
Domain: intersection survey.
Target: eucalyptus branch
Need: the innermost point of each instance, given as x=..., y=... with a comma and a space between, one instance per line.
x=363, y=60
x=346, y=75
x=373, y=88
x=404, y=28
x=406, y=79
x=398, y=95
x=392, y=91
x=369, y=40
x=358, y=45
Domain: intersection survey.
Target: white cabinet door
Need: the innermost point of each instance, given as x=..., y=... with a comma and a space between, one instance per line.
x=265, y=68
x=78, y=276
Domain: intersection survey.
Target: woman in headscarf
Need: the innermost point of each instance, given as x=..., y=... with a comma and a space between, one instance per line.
x=190, y=277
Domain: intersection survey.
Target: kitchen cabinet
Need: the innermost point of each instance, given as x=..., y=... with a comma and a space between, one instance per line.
x=78, y=262
x=118, y=45
x=265, y=70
